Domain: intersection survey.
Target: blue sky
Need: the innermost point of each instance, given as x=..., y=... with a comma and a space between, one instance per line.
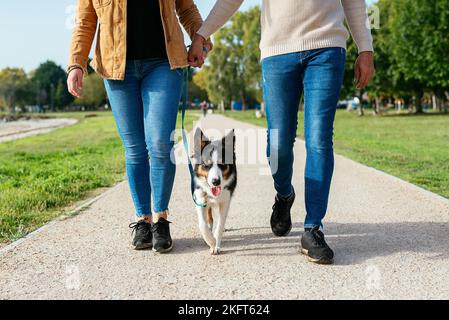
x=33, y=31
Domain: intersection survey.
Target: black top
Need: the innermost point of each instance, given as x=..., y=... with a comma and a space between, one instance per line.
x=145, y=33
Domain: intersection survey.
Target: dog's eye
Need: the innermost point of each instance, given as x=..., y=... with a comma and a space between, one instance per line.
x=205, y=166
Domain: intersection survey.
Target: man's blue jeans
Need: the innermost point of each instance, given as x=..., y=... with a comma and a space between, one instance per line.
x=145, y=107
x=319, y=74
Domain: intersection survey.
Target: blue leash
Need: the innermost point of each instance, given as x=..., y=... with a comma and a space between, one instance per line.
x=184, y=138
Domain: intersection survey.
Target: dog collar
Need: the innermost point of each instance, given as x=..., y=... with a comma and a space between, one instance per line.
x=198, y=204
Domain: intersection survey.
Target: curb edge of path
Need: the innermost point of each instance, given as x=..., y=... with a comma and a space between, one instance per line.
x=429, y=193
x=69, y=214
x=89, y=202
x=77, y=210
x=36, y=131
x=414, y=186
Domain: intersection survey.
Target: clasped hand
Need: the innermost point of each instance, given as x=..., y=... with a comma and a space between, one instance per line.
x=197, y=52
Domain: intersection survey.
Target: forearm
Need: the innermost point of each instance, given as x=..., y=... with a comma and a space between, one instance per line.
x=356, y=15
x=190, y=18
x=83, y=35
x=220, y=14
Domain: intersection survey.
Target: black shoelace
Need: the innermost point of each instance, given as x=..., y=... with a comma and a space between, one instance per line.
x=140, y=225
x=161, y=228
x=318, y=237
x=279, y=206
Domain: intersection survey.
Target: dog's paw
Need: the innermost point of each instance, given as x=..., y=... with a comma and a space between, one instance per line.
x=215, y=251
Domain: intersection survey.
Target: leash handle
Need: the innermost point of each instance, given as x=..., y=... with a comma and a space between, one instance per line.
x=184, y=138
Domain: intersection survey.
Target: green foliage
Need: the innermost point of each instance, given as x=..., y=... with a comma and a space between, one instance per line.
x=233, y=70
x=411, y=50
x=411, y=57
x=13, y=87
x=421, y=40
x=349, y=88
x=196, y=92
x=62, y=99
x=414, y=148
x=94, y=93
x=45, y=80
x=41, y=175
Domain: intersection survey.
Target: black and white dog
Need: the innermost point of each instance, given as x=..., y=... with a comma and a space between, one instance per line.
x=215, y=182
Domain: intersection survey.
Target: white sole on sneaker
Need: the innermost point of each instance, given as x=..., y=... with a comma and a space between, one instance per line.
x=314, y=260
x=164, y=250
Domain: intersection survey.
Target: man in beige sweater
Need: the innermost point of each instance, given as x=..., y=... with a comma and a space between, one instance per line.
x=303, y=49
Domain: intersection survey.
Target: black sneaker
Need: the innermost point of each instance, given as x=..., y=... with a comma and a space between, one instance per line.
x=281, y=221
x=162, y=239
x=143, y=238
x=315, y=247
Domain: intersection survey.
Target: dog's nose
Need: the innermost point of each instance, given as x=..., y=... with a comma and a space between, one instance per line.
x=216, y=181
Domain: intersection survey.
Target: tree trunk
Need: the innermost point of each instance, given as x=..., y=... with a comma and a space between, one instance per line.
x=418, y=105
x=376, y=106
x=244, y=107
x=12, y=104
x=434, y=103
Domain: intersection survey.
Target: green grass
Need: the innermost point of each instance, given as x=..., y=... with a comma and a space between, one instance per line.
x=412, y=147
x=42, y=175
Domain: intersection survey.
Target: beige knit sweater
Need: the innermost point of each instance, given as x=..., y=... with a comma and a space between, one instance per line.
x=299, y=25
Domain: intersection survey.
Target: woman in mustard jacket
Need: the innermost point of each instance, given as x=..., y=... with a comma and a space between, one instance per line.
x=140, y=53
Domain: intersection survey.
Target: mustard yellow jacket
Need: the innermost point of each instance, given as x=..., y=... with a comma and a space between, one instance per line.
x=110, y=16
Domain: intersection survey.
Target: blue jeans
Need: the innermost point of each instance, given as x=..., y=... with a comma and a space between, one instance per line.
x=145, y=106
x=319, y=74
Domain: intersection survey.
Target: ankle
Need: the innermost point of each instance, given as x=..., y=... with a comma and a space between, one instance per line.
x=157, y=216
x=147, y=219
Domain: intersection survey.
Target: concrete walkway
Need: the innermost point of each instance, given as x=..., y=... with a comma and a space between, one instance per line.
x=26, y=128
x=391, y=241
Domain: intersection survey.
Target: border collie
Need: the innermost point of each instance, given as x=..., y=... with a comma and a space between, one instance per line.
x=215, y=182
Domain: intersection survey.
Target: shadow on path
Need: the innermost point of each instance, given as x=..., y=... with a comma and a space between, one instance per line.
x=353, y=243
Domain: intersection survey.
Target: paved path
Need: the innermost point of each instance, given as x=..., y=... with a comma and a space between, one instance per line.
x=391, y=241
x=25, y=128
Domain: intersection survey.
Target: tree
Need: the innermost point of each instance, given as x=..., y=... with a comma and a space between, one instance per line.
x=419, y=44
x=233, y=70
x=13, y=87
x=62, y=99
x=94, y=93
x=196, y=92
x=45, y=80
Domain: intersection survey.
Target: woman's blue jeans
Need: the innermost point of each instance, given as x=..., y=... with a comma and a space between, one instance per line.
x=145, y=107
x=319, y=74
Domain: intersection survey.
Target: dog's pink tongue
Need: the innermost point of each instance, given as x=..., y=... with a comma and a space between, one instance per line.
x=216, y=191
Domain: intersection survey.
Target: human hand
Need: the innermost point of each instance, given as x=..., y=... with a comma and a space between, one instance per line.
x=364, y=69
x=197, y=52
x=75, y=82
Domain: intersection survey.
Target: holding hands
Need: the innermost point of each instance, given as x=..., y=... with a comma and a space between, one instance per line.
x=198, y=51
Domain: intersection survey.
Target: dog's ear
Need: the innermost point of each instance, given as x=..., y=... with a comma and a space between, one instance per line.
x=228, y=147
x=200, y=142
x=200, y=139
x=229, y=139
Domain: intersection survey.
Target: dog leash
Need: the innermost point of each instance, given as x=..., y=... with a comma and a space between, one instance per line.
x=184, y=138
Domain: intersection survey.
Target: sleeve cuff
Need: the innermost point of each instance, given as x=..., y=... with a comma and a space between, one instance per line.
x=205, y=31
x=366, y=47
x=73, y=66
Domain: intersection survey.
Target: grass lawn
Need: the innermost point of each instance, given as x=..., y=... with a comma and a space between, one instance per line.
x=42, y=175
x=413, y=148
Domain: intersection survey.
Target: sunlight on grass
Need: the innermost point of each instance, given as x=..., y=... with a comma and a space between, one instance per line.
x=413, y=148
x=41, y=175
